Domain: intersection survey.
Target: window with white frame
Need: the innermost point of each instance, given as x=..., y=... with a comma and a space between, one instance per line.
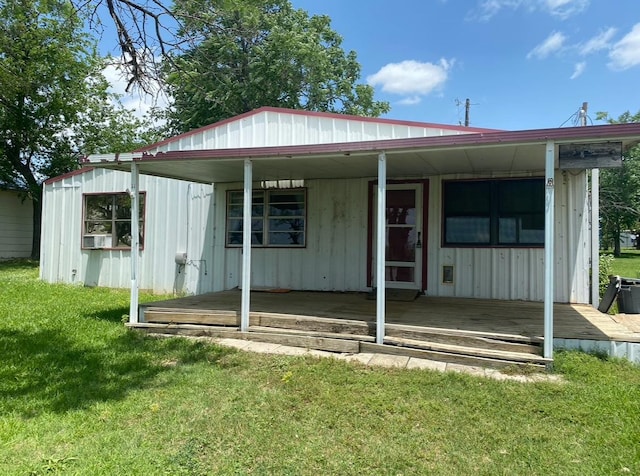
x=278, y=218
x=107, y=220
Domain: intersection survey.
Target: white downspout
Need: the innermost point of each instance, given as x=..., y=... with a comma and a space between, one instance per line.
x=246, y=247
x=549, y=219
x=380, y=247
x=595, y=238
x=135, y=242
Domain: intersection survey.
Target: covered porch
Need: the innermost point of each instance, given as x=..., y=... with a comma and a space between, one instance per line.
x=552, y=267
x=491, y=333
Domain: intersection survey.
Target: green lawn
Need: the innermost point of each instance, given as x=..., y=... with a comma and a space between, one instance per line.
x=628, y=264
x=79, y=394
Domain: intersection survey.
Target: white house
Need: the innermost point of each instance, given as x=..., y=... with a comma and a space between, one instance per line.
x=462, y=212
x=16, y=224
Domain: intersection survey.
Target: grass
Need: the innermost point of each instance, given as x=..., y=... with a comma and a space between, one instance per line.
x=628, y=264
x=79, y=394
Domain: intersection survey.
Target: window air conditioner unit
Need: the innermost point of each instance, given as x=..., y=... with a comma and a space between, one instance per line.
x=97, y=241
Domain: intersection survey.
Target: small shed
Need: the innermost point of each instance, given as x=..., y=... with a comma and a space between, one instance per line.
x=16, y=224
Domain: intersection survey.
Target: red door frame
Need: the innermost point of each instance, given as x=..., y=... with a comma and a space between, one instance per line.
x=425, y=217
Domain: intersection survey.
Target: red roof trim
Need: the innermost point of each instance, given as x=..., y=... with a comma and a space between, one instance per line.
x=301, y=112
x=59, y=178
x=604, y=132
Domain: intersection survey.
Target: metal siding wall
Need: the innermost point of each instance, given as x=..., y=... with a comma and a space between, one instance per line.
x=335, y=256
x=279, y=128
x=516, y=273
x=16, y=225
x=168, y=204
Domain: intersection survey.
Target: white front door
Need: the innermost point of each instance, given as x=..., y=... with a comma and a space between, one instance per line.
x=403, y=236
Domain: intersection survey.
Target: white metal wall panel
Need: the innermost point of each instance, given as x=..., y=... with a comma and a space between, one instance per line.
x=334, y=258
x=16, y=225
x=272, y=129
x=517, y=273
x=178, y=218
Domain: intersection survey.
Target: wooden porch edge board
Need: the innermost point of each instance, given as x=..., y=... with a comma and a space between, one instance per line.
x=190, y=318
x=464, y=340
x=295, y=317
x=189, y=310
x=446, y=357
x=307, y=342
x=462, y=332
x=473, y=351
x=331, y=335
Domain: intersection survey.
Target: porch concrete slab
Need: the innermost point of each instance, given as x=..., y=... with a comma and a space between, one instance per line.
x=362, y=358
x=384, y=360
x=262, y=347
x=424, y=364
x=467, y=369
x=235, y=343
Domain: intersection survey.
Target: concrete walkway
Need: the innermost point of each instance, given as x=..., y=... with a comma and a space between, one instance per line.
x=383, y=360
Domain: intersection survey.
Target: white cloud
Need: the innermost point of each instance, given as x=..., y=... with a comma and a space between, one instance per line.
x=602, y=41
x=412, y=79
x=558, y=8
x=565, y=8
x=490, y=8
x=551, y=44
x=579, y=69
x=410, y=101
x=141, y=103
x=626, y=52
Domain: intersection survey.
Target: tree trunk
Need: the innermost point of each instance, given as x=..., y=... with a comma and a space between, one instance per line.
x=37, y=227
x=616, y=242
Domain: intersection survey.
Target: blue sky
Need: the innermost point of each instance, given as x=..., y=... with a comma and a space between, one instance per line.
x=524, y=64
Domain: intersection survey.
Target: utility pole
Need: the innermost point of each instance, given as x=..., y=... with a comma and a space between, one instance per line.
x=583, y=113
x=467, y=106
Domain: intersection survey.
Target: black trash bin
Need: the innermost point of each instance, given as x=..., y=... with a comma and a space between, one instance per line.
x=629, y=296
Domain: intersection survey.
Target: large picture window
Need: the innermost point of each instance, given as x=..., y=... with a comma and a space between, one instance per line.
x=107, y=220
x=278, y=218
x=508, y=212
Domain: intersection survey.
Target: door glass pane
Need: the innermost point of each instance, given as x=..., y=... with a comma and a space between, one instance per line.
x=401, y=207
x=401, y=244
x=403, y=274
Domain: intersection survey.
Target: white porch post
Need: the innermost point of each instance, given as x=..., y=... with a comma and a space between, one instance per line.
x=595, y=238
x=380, y=247
x=135, y=242
x=549, y=217
x=246, y=246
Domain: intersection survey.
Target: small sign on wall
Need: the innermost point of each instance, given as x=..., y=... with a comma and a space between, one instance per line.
x=594, y=155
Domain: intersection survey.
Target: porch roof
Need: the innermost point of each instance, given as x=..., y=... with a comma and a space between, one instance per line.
x=476, y=153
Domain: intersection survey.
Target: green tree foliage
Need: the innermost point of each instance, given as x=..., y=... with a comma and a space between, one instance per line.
x=620, y=191
x=245, y=54
x=54, y=103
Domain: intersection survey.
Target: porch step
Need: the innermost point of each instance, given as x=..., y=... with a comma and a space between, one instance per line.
x=469, y=358
x=333, y=342
x=503, y=355
x=189, y=316
x=328, y=344
x=261, y=319
x=296, y=332
x=479, y=340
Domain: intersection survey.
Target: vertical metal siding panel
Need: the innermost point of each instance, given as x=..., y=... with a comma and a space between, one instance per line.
x=299, y=130
x=341, y=131
x=313, y=130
